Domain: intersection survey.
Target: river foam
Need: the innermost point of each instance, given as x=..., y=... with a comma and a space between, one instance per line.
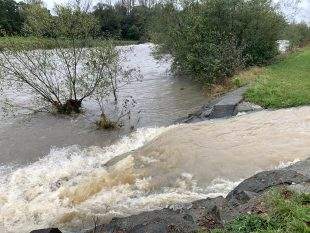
x=71, y=185
x=40, y=194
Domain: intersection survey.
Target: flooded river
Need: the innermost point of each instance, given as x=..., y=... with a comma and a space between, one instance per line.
x=161, y=99
x=151, y=168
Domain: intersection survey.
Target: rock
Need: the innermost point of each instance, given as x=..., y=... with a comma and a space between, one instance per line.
x=226, y=106
x=48, y=230
x=221, y=111
x=216, y=209
x=263, y=181
x=158, y=221
x=244, y=196
x=185, y=218
x=245, y=107
x=300, y=188
x=206, y=113
x=302, y=167
x=253, y=205
x=222, y=107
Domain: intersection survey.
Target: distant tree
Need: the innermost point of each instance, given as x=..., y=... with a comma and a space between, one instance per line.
x=38, y=19
x=297, y=33
x=124, y=20
x=11, y=20
x=139, y=18
x=109, y=20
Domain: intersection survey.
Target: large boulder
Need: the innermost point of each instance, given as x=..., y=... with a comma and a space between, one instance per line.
x=181, y=218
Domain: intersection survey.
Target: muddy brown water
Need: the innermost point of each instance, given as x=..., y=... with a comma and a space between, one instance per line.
x=150, y=169
x=161, y=99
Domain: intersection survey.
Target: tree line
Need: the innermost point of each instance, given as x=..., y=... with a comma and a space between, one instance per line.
x=123, y=20
x=209, y=40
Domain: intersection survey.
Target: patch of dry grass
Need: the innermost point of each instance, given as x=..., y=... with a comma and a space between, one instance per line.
x=243, y=78
x=247, y=76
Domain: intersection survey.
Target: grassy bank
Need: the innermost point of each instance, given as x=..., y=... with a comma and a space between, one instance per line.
x=47, y=43
x=283, y=84
x=280, y=211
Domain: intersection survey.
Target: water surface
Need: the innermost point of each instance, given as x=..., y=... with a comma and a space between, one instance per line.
x=148, y=170
x=161, y=99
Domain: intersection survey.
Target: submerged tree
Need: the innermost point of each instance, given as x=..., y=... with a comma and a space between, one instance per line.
x=117, y=77
x=65, y=76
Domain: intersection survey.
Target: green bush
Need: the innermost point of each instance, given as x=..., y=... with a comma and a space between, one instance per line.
x=213, y=39
x=248, y=223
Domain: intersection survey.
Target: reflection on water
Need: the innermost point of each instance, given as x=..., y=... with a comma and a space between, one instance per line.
x=161, y=99
x=149, y=169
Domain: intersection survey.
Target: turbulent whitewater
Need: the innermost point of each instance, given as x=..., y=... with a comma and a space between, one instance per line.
x=149, y=169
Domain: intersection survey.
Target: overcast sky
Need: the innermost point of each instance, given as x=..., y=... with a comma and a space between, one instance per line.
x=305, y=14
x=301, y=14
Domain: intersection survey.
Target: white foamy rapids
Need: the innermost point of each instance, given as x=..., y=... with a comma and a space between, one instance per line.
x=71, y=185
x=30, y=197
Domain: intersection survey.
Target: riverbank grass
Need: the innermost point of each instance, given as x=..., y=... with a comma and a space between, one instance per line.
x=281, y=85
x=285, y=211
